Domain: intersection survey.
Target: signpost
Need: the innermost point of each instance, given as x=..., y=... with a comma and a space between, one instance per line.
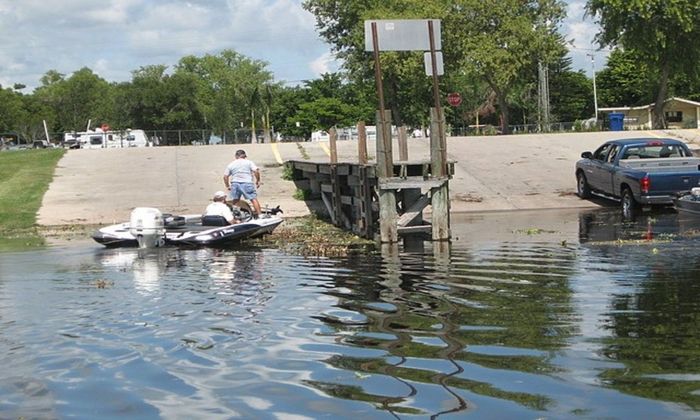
x=410, y=35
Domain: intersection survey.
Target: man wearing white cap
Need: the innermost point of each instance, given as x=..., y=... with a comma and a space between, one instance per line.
x=218, y=207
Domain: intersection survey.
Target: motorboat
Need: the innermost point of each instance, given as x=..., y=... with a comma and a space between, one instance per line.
x=149, y=228
x=688, y=202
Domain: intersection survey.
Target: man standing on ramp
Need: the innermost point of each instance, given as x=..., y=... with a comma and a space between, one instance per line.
x=242, y=177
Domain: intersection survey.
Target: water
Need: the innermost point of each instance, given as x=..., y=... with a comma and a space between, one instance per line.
x=528, y=315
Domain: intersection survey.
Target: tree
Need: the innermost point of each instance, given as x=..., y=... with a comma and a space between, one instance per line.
x=30, y=123
x=664, y=33
x=330, y=101
x=571, y=95
x=571, y=92
x=82, y=97
x=10, y=110
x=267, y=100
x=494, y=39
x=625, y=80
x=225, y=86
x=407, y=89
x=501, y=39
x=253, y=102
x=157, y=100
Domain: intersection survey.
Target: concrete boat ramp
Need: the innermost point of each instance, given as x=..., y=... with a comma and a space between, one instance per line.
x=492, y=173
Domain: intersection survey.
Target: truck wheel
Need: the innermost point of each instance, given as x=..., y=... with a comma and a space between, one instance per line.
x=628, y=204
x=583, y=190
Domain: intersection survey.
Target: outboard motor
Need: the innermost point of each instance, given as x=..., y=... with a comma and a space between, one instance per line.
x=146, y=225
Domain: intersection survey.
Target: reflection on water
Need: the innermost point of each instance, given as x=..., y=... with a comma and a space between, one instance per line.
x=532, y=314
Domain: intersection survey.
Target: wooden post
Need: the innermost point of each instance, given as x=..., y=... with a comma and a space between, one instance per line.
x=332, y=140
x=403, y=144
x=366, y=218
x=336, y=199
x=385, y=161
x=385, y=168
x=361, y=143
x=439, y=115
x=438, y=156
x=440, y=196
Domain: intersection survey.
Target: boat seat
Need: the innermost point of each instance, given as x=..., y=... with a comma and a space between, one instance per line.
x=214, y=221
x=173, y=221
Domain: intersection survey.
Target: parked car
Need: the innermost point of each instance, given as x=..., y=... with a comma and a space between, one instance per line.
x=638, y=172
x=41, y=144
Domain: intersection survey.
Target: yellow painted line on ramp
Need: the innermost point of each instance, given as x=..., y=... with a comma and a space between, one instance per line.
x=325, y=148
x=276, y=152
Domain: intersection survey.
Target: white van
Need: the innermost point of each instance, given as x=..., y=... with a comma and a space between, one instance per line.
x=99, y=139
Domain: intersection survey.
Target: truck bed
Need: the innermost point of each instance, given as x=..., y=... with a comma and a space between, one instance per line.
x=666, y=165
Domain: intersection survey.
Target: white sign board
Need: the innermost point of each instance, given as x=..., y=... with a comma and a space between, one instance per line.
x=428, y=61
x=403, y=35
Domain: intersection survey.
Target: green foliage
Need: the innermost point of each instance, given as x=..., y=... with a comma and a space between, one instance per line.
x=501, y=40
x=24, y=178
x=571, y=95
x=10, y=109
x=82, y=97
x=625, y=80
x=301, y=195
x=157, y=100
x=228, y=87
x=492, y=40
x=288, y=173
x=663, y=33
x=407, y=89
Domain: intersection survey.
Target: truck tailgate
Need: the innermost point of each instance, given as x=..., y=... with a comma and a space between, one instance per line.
x=667, y=176
x=670, y=183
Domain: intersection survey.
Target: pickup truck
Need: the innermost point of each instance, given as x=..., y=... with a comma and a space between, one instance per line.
x=638, y=172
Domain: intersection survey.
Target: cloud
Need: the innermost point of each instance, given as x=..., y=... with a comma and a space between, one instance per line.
x=580, y=30
x=122, y=35
x=326, y=63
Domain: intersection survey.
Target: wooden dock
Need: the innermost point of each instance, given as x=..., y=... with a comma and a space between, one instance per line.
x=351, y=191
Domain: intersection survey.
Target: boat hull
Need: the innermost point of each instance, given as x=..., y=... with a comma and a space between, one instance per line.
x=687, y=204
x=191, y=233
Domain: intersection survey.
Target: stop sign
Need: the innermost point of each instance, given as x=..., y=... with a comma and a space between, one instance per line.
x=454, y=99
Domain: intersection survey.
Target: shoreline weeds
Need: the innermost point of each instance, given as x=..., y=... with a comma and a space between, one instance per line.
x=306, y=235
x=75, y=229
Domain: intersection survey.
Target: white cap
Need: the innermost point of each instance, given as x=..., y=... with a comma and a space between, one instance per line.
x=219, y=194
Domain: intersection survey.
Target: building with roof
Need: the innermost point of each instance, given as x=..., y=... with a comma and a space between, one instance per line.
x=679, y=113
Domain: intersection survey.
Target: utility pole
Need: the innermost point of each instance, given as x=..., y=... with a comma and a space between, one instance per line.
x=595, y=94
x=543, y=98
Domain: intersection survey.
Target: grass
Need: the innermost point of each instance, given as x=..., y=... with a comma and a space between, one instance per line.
x=24, y=178
x=288, y=173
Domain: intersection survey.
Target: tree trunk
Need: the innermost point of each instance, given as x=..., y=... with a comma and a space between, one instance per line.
x=659, y=117
x=394, y=95
x=268, y=132
x=253, y=137
x=503, y=105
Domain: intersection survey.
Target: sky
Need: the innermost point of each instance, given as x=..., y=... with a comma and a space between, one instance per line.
x=115, y=37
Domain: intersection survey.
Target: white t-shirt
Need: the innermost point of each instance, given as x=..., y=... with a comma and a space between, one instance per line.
x=217, y=208
x=240, y=170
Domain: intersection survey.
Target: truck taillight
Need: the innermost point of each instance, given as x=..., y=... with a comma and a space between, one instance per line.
x=645, y=184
